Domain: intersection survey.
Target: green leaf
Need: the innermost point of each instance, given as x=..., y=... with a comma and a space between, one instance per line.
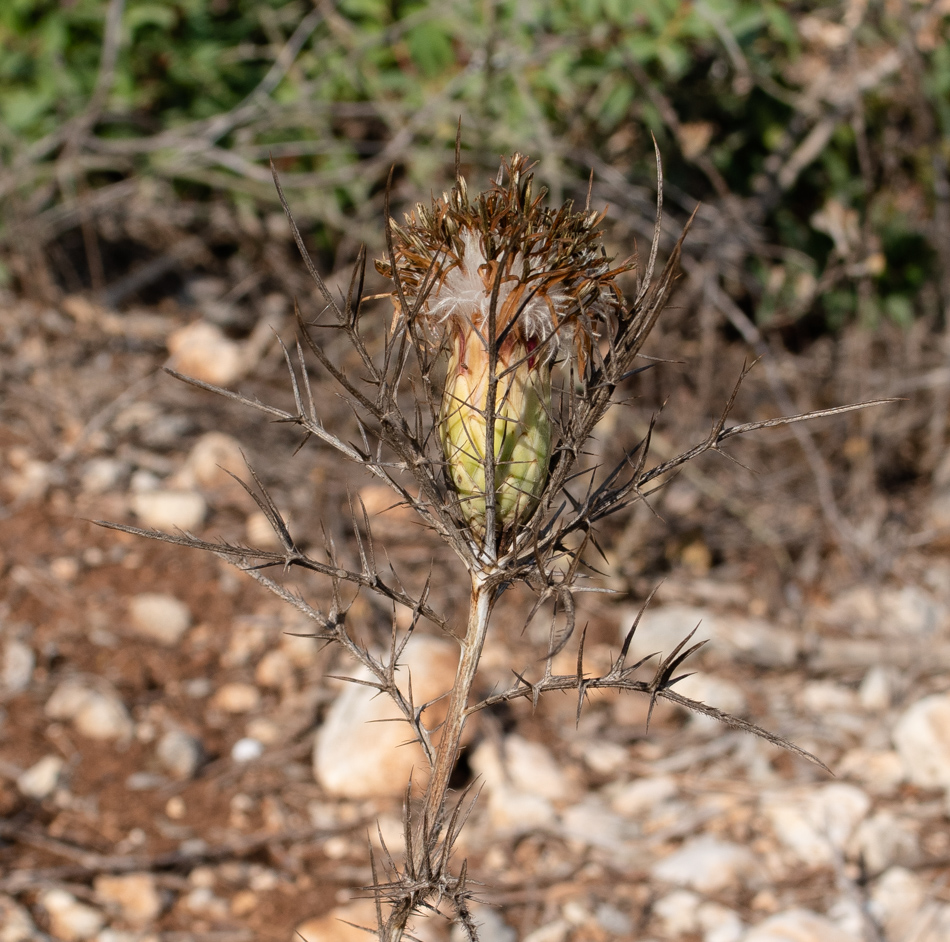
x=163, y=16
x=431, y=48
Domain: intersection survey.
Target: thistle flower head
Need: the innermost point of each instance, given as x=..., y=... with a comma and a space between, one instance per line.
x=541, y=272
x=504, y=285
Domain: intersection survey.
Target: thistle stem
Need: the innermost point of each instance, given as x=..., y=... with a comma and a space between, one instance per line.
x=483, y=597
x=427, y=834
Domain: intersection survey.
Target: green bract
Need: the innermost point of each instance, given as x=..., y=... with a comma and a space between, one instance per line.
x=522, y=431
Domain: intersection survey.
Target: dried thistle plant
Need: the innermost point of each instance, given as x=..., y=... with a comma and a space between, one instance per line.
x=513, y=334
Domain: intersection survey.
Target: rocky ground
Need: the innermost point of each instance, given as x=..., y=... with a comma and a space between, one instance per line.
x=177, y=762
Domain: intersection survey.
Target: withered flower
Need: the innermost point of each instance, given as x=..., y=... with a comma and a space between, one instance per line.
x=504, y=287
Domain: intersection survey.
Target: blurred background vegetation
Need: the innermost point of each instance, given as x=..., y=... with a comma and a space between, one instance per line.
x=135, y=136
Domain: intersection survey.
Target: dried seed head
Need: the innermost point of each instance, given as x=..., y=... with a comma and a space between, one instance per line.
x=546, y=269
x=502, y=284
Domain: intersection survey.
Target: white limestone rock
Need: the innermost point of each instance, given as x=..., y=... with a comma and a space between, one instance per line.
x=134, y=896
x=896, y=897
x=750, y=639
x=637, y=798
x=159, y=617
x=209, y=461
x=715, y=692
x=236, y=697
x=816, y=825
x=70, y=920
x=880, y=771
x=526, y=766
x=677, y=912
x=18, y=663
x=662, y=627
x=40, y=780
x=877, y=689
x=708, y=865
x=170, y=509
x=922, y=737
x=556, y=931
x=798, y=925
x=357, y=753
x=719, y=923
x=592, y=822
x=346, y=923
x=202, y=351
x=180, y=754
x=96, y=713
x=15, y=922
x=885, y=840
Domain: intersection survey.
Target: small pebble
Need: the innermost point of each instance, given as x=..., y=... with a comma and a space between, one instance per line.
x=260, y=533
x=247, y=750
x=358, y=751
x=135, y=895
x=212, y=457
x=880, y=771
x=274, y=669
x=143, y=481
x=202, y=351
x=69, y=919
x=798, y=925
x=175, y=808
x=202, y=901
x=159, y=617
x=719, y=923
x=236, y=698
x=15, y=922
x=612, y=920
x=604, y=757
x=877, y=689
x=677, y=912
x=592, y=822
x=40, y=780
x=170, y=510
x=100, y=475
x=708, y=865
x=198, y=687
x=66, y=700
x=346, y=923
x=180, y=754
x=816, y=825
x=18, y=664
x=64, y=569
x=884, y=840
x=94, y=713
x=641, y=795
x=264, y=730
x=144, y=781
x=896, y=897
x=920, y=736
x=244, y=902
x=557, y=931
x=103, y=716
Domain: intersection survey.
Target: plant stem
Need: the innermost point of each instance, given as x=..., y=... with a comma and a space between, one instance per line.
x=427, y=834
x=483, y=596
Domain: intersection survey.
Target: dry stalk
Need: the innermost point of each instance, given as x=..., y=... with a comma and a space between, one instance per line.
x=517, y=307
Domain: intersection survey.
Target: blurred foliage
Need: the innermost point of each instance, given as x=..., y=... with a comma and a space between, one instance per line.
x=826, y=124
